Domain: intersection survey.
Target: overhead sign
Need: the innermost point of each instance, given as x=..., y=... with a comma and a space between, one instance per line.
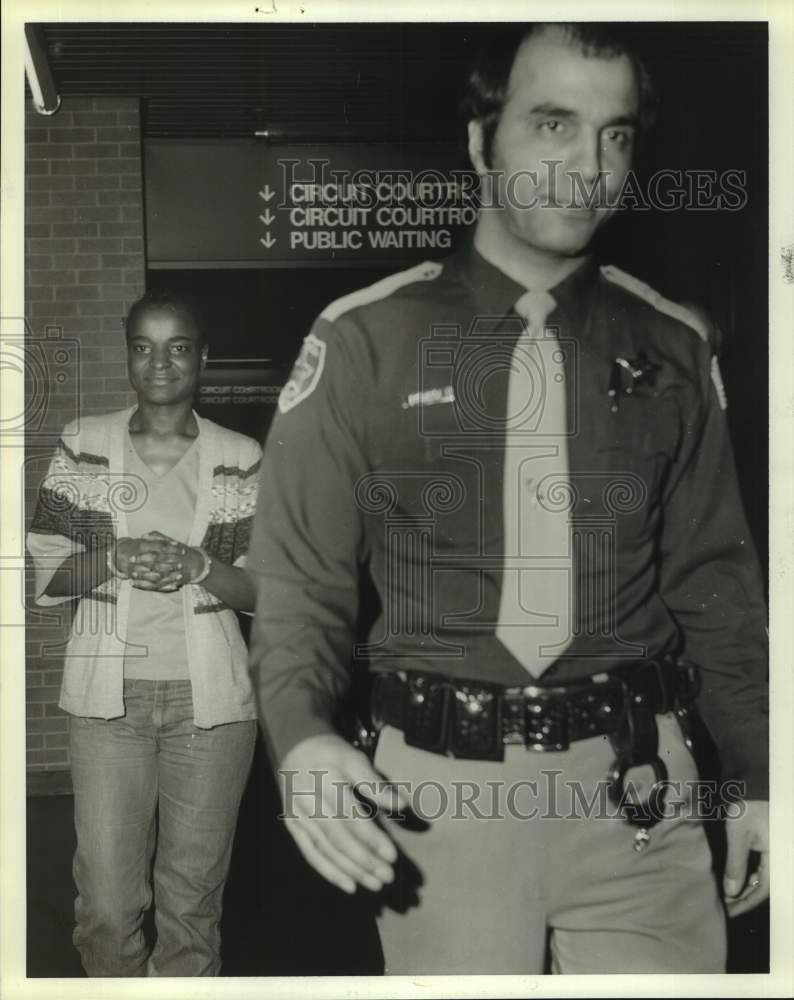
x=252, y=205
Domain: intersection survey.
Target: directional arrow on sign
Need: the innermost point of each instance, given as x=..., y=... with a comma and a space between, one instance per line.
x=268, y=240
x=267, y=192
x=267, y=217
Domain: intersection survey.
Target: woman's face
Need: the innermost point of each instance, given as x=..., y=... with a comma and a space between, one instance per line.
x=164, y=358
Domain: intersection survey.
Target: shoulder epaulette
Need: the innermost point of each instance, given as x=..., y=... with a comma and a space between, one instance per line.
x=655, y=299
x=381, y=289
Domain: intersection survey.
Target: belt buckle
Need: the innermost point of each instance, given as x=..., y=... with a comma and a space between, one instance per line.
x=476, y=730
x=545, y=721
x=426, y=713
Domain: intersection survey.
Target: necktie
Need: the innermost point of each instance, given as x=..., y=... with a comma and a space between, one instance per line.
x=535, y=604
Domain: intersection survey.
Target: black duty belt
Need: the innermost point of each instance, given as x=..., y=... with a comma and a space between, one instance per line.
x=474, y=720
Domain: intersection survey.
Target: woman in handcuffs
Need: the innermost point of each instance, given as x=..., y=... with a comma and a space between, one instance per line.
x=144, y=519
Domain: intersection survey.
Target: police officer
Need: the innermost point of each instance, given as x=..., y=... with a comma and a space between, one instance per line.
x=527, y=456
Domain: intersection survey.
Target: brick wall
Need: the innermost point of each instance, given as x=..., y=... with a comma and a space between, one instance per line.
x=84, y=245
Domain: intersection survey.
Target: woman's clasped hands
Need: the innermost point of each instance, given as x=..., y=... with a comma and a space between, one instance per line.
x=156, y=562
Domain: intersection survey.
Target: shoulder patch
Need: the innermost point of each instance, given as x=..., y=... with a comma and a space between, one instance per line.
x=655, y=299
x=305, y=373
x=426, y=271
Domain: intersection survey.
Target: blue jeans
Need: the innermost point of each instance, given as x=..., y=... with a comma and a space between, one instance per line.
x=153, y=786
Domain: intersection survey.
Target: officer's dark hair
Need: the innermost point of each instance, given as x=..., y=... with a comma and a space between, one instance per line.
x=486, y=90
x=164, y=300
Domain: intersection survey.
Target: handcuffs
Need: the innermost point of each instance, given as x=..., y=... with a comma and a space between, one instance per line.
x=636, y=744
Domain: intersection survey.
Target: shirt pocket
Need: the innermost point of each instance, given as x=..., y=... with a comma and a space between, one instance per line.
x=631, y=454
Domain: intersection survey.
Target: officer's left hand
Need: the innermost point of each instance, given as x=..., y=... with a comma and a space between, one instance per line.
x=745, y=833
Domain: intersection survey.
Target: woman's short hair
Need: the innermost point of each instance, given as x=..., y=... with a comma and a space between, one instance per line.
x=164, y=301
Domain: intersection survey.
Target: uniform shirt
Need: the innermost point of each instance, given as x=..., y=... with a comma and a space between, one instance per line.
x=386, y=460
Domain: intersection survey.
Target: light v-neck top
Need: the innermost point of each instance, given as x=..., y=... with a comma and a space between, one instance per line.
x=156, y=644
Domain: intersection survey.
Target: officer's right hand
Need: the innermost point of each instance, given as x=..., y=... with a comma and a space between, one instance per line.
x=334, y=830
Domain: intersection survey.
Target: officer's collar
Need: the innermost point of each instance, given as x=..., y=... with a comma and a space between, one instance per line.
x=496, y=293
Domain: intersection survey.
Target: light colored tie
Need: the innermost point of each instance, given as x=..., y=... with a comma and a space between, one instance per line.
x=537, y=584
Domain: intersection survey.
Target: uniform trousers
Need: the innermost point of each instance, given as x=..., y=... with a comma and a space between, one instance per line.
x=520, y=867
x=153, y=785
